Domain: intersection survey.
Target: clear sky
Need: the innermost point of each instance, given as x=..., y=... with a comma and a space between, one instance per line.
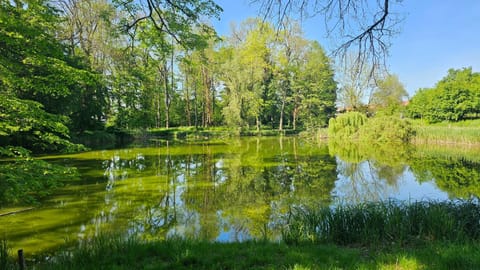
x=435, y=36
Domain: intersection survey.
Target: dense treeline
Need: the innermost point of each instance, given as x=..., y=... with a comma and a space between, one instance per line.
x=456, y=97
x=73, y=66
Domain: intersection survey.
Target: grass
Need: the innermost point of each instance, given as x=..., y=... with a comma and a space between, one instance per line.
x=118, y=253
x=4, y=254
x=385, y=223
x=463, y=132
x=423, y=235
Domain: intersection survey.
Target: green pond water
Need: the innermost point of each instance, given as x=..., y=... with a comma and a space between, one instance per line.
x=231, y=190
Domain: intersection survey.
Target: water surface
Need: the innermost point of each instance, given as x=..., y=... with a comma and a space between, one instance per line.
x=231, y=190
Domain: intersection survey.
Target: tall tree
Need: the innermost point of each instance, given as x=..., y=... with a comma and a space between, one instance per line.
x=389, y=95
x=244, y=72
x=36, y=75
x=362, y=27
x=317, y=88
x=356, y=85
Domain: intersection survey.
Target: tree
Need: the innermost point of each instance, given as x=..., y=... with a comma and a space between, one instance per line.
x=176, y=18
x=456, y=97
x=389, y=95
x=363, y=27
x=356, y=86
x=318, y=89
x=244, y=72
x=39, y=82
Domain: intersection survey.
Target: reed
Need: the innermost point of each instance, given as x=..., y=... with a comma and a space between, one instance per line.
x=385, y=223
x=453, y=133
x=4, y=257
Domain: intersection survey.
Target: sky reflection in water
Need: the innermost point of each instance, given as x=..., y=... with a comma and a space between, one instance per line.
x=231, y=191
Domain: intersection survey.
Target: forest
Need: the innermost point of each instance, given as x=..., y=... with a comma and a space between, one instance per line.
x=69, y=67
x=73, y=67
x=77, y=71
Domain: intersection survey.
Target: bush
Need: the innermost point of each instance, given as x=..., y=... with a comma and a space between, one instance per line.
x=346, y=126
x=383, y=129
x=387, y=129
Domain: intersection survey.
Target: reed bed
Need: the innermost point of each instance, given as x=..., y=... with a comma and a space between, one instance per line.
x=447, y=134
x=385, y=223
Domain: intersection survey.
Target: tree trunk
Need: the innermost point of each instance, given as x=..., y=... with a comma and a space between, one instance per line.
x=294, y=122
x=207, y=101
x=187, y=101
x=195, y=109
x=167, y=96
x=282, y=111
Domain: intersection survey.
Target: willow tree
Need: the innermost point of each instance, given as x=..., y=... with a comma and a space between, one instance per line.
x=249, y=55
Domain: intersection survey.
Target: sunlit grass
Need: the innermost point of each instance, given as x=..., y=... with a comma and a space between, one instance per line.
x=464, y=132
x=114, y=252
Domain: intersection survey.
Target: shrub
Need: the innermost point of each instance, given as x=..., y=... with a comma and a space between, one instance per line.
x=346, y=126
x=382, y=129
x=387, y=129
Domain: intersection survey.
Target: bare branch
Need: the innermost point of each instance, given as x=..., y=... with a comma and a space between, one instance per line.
x=362, y=26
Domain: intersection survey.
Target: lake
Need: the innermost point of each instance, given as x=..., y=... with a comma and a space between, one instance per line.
x=231, y=190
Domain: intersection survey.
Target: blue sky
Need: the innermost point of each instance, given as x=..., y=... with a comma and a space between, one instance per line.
x=435, y=36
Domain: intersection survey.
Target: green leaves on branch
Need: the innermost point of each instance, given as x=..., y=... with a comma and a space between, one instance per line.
x=26, y=181
x=25, y=123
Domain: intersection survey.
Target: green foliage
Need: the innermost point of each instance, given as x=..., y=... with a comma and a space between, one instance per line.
x=387, y=98
x=5, y=262
x=317, y=88
x=43, y=92
x=118, y=252
x=346, y=126
x=382, y=129
x=25, y=123
x=26, y=180
x=456, y=97
x=387, y=129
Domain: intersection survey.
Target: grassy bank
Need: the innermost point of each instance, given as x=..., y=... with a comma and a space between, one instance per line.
x=113, y=253
x=463, y=132
x=426, y=235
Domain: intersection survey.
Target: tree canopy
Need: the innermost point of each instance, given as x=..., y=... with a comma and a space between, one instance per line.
x=456, y=97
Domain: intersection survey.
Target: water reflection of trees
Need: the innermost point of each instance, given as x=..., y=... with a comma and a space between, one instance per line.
x=458, y=175
x=371, y=172
x=223, y=192
x=368, y=172
x=226, y=192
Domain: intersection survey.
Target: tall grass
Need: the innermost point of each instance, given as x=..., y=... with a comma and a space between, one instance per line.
x=6, y=262
x=466, y=132
x=385, y=223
